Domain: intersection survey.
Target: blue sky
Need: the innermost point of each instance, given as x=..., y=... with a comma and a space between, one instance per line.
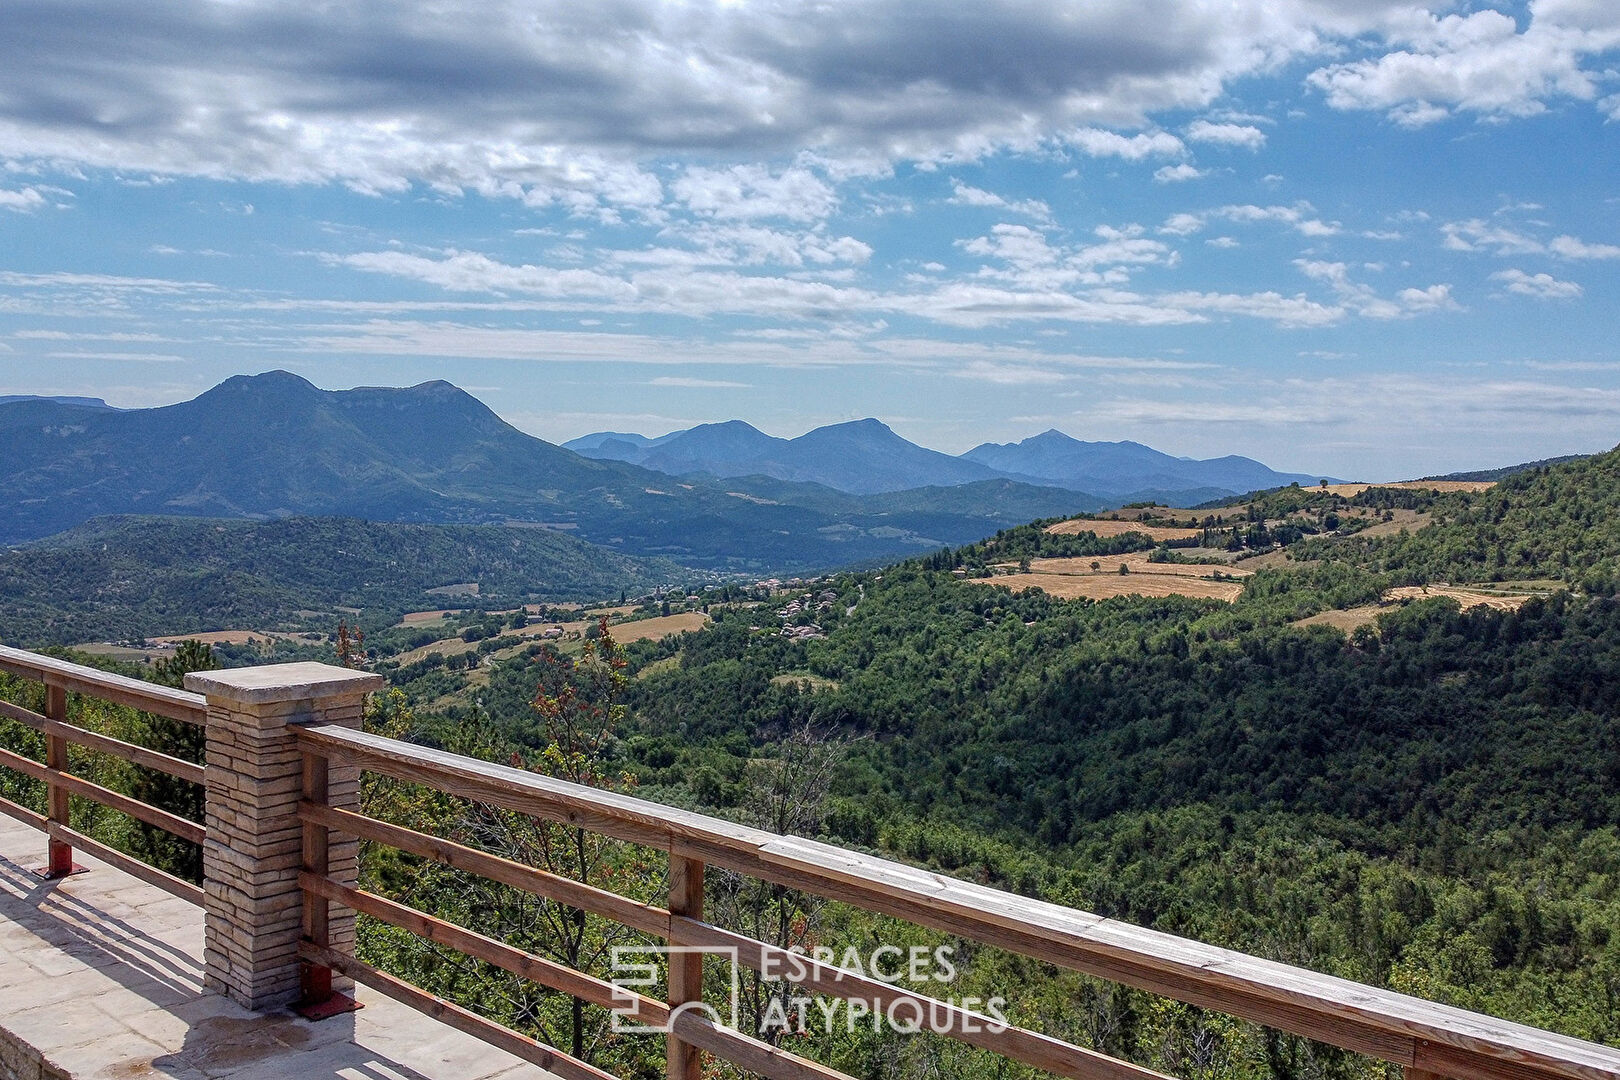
x=1373, y=239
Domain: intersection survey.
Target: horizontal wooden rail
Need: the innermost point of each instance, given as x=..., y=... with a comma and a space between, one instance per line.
x=106, y=744
x=1408, y=1031
x=185, y=890
x=943, y=1018
x=59, y=679
x=631, y=913
x=31, y=818
x=77, y=679
x=452, y=1015
x=525, y=965
x=184, y=828
x=1050, y=1055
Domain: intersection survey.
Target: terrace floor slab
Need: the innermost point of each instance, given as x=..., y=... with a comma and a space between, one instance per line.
x=101, y=979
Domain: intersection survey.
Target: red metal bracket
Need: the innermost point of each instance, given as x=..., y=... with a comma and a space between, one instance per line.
x=334, y=1005
x=51, y=873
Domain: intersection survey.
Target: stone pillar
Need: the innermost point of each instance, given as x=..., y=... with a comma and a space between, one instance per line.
x=253, y=907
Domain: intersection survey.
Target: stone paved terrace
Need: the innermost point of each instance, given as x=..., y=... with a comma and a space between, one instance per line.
x=101, y=976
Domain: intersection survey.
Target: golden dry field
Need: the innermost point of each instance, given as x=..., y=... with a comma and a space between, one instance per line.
x=226, y=637
x=1466, y=597
x=1347, y=620
x=417, y=618
x=658, y=628
x=1351, y=490
x=1119, y=528
x=1106, y=586
x=1137, y=564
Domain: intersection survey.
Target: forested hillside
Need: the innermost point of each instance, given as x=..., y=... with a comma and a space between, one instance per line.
x=1561, y=522
x=120, y=578
x=1424, y=796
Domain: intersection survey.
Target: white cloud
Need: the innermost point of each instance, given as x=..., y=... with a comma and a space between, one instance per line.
x=24, y=201
x=1245, y=136
x=1170, y=174
x=1300, y=217
x=697, y=384
x=744, y=192
x=964, y=195
x=1571, y=248
x=1433, y=298
x=1007, y=374
x=1479, y=62
x=1181, y=224
x=1475, y=234
x=1099, y=143
x=1364, y=299
x=562, y=104
x=1540, y=286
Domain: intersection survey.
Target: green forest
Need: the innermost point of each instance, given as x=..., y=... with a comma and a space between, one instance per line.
x=1428, y=802
x=131, y=577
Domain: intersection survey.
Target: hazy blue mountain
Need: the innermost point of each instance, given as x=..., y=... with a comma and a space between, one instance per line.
x=865, y=457
x=274, y=446
x=81, y=402
x=1119, y=468
x=597, y=438
x=726, y=449
x=860, y=457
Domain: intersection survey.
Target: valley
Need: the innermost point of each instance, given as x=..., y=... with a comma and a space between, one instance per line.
x=1276, y=722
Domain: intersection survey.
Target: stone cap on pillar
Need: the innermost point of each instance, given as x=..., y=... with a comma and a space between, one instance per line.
x=282, y=682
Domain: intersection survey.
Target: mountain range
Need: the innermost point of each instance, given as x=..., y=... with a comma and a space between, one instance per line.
x=273, y=446
x=866, y=457
x=720, y=496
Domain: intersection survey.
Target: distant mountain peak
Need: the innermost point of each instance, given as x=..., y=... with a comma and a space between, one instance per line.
x=266, y=385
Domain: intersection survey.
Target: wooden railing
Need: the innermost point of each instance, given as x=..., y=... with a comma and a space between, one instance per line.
x=61, y=785
x=1424, y=1038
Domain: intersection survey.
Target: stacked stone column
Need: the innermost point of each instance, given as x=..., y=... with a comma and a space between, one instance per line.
x=253, y=907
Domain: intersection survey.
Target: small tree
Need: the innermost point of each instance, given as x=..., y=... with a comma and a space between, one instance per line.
x=787, y=795
x=351, y=646
x=578, y=704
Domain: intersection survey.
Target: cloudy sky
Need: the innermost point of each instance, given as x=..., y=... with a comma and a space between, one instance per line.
x=1366, y=237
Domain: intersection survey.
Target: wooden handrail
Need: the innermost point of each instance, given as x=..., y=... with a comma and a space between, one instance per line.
x=119, y=689
x=59, y=679
x=1417, y=1034
x=943, y=1018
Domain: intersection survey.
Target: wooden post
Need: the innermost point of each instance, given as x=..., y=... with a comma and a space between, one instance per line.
x=685, y=969
x=317, y=980
x=59, y=860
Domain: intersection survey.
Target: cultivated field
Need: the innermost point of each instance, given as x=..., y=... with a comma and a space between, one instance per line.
x=661, y=627
x=1351, y=490
x=1119, y=528
x=1136, y=563
x=1350, y=618
x=1347, y=620
x=1105, y=586
x=420, y=618
x=1466, y=597
x=227, y=637
x=1410, y=520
